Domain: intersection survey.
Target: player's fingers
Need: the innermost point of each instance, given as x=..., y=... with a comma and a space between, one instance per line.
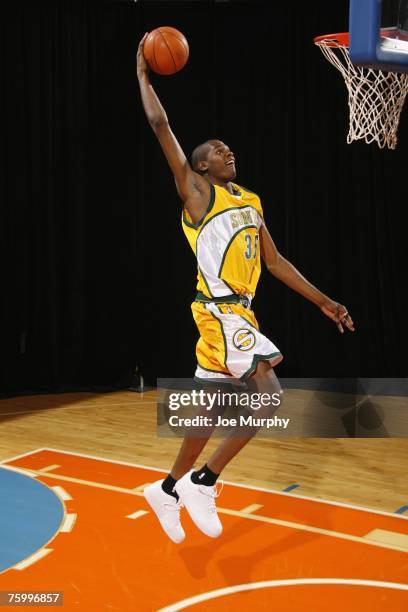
x=347, y=320
x=340, y=327
x=337, y=317
x=349, y=323
x=141, y=43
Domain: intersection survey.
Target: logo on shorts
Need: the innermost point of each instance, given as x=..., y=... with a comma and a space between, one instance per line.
x=244, y=339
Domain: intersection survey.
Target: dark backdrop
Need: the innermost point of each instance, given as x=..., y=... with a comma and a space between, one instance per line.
x=98, y=277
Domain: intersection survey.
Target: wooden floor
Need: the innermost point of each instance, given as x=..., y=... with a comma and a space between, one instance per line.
x=369, y=472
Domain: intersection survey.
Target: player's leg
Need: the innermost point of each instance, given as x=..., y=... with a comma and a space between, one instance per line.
x=197, y=489
x=187, y=455
x=263, y=380
x=194, y=441
x=210, y=344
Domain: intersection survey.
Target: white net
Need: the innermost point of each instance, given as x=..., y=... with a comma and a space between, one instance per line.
x=375, y=98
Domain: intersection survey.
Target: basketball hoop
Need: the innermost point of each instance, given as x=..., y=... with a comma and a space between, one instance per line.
x=375, y=98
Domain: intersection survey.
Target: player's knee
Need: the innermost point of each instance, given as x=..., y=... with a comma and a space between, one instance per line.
x=265, y=381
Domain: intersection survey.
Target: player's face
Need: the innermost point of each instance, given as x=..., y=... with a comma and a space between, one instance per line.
x=221, y=161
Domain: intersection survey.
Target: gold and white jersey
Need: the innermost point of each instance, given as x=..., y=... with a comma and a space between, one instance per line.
x=226, y=242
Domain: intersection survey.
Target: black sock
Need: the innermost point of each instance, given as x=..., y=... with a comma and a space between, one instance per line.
x=204, y=476
x=168, y=486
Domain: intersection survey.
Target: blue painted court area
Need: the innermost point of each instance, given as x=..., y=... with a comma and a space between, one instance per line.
x=30, y=515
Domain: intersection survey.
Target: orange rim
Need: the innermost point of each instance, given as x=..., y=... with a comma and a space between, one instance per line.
x=333, y=40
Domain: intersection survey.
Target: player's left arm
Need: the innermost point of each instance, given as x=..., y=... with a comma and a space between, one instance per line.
x=282, y=269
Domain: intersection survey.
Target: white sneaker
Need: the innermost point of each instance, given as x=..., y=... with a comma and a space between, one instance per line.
x=167, y=509
x=200, y=503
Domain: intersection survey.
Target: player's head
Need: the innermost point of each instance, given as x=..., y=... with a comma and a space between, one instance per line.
x=214, y=159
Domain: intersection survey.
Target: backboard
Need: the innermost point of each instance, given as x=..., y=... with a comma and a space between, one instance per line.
x=379, y=34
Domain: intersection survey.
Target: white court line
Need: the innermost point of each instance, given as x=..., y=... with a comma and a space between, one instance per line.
x=384, y=535
x=315, y=499
x=33, y=559
x=50, y=468
x=251, y=508
x=62, y=493
x=31, y=452
x=142, y=487
x=239, y=588
x=23, y=471
x=233, y=484
x=68, y=523
x=137, y=514
x=105, y=459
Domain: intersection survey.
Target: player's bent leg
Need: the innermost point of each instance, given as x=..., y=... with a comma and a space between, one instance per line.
x=195, y=440
x=189, y=451
x=197, y=490
x=263, y=380
x=164, y=496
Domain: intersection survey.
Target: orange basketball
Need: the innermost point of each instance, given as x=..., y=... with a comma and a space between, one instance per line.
x=166, y=50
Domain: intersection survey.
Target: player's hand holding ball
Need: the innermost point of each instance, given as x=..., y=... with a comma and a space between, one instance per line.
x=141, y=64
x=165, y=50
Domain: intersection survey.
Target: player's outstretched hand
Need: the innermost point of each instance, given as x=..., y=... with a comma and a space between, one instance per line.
x=141, y=64
x=337, y=313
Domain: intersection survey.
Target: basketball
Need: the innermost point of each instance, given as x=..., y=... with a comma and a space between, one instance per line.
x=166, y=50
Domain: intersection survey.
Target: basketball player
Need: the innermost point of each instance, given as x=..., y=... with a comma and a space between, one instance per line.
x=224, y=225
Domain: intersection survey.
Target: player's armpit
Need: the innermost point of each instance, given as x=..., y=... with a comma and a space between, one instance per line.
x=197, y=206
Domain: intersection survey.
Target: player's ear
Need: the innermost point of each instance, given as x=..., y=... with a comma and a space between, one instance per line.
x=203, y=166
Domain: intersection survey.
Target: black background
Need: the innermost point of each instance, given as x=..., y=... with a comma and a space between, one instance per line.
x=98, y=277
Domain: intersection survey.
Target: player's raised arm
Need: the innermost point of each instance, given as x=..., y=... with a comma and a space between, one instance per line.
x=282, y=269
x=192, y=188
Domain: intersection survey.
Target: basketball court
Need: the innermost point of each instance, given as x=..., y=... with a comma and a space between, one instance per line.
x=354, y=556
x=76, y=520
